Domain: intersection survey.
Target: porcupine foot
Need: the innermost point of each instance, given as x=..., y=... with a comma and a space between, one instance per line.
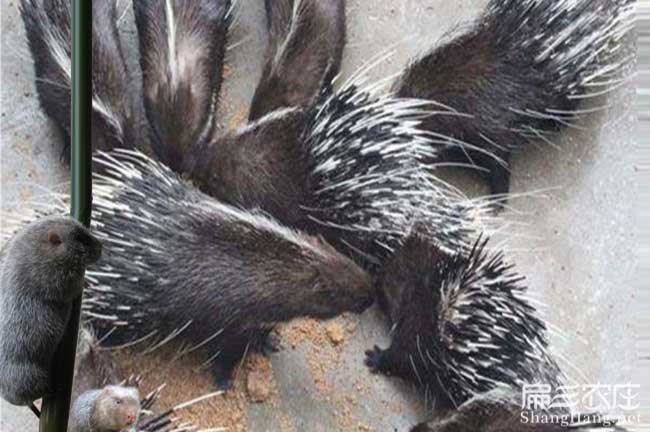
x=272, y=343
x=224, y=375
x=390, y=361
x=377, y=361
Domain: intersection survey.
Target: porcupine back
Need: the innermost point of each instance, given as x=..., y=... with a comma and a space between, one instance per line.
x=47, y=24
x=520, y=74
x=369, y=179
x=182, y=48
x=461, y=323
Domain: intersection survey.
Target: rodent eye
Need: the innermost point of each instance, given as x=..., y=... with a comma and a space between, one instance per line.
x=54, y=238
x=118, y=401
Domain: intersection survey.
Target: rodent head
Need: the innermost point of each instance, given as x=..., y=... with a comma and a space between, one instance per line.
x=66, y=241
x=339, y=285
x=117, y=408
x=54, y=248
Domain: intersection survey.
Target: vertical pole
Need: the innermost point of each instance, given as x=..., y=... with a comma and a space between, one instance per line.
x=55, y=410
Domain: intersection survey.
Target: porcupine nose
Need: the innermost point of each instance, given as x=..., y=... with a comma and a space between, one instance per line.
x=130, y=419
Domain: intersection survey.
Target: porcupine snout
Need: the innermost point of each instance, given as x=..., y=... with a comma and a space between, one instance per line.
x=343, y=285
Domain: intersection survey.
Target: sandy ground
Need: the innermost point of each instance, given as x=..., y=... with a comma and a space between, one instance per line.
x=574, y=239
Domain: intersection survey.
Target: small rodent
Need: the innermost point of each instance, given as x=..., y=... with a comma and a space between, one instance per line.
x=41, y=273
x=110, y=409
x=460, y=323
x=501, y=410
x=47, y=25
x=519, y=74
x=96, y=368
x=179, y=263
x=182, y=50
x=305, y=48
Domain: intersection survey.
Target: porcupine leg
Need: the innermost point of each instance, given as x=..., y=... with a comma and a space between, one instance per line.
x=387, y=361
x=236, y=348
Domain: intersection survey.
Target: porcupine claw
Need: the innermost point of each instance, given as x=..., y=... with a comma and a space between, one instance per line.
x=224, y=383
x=272, y=343
x=375, y=360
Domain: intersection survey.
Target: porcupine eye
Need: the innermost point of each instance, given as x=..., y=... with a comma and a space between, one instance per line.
x=53, y=238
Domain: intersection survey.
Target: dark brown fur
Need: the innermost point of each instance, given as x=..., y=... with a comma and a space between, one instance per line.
x=405, y=293
x=181, y=87
x=471, y=75
x=508, y=88
x=112, y=117
x=442, y=308
x=304, y=52
x=259, y=166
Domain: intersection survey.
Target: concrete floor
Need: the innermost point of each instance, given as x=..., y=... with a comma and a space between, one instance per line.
x=575, y=241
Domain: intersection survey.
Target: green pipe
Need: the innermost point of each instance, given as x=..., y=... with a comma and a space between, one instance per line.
x=56, y=408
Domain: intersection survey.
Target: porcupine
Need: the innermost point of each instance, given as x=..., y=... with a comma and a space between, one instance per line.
x=47, y=24
x=460, y=323
x=182, y=48
x=305, y=48
x=41, y=273
x=518, y=75
x=501, y=410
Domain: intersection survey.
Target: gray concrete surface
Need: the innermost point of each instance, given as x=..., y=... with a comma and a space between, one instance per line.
x=574, y=242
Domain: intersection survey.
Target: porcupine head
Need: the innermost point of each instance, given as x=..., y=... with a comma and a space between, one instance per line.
x=411, y=265
x=335, y=284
